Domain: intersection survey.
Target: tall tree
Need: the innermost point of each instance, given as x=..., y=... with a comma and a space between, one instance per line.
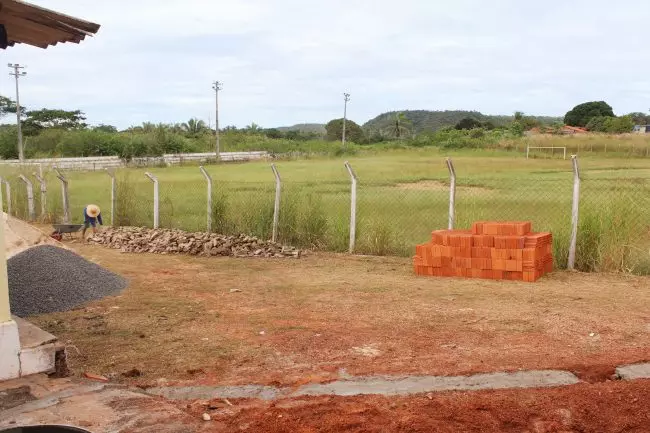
x=400, y=128
x=38, y=120
x=581, y=114
x=8, y=106
x=253, y=128
x=468, y=123
x=640, y=118
x=353, y=131
x=105, y=128
x=194, y=126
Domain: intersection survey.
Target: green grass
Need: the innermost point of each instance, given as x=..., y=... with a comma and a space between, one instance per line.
x=402, y=196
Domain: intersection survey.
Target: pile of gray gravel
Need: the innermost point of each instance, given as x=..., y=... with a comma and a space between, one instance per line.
x=47, y=279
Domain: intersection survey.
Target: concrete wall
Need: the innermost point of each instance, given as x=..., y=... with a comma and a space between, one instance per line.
x=102, y=162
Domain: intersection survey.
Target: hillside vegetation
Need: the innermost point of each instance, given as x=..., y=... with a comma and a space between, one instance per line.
x=306, y=128
x=425, y=120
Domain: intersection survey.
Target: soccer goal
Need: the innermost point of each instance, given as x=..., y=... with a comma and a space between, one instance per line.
x=562, y=150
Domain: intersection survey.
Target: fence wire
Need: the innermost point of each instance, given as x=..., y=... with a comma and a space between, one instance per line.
x=392, y=216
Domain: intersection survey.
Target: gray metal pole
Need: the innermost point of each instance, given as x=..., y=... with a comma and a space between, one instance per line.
x=30, y=197
x=452, y=194
x=217, y=86
x=111, y=173
x=208, y=179
x=7, y=193
x=574, y=213
x=353, y=206
x=156, y=207
x=65, y=196
x=276, y=205
x=346, y=98
x=17, y=73
x=41, y=180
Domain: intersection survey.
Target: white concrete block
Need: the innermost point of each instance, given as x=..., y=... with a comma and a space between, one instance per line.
x=9, y=350
x=38, y=359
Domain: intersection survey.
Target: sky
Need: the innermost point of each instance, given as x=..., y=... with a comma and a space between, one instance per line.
x=284, y=62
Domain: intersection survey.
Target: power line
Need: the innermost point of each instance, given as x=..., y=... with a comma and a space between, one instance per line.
x=18, y=73
x=216, y=86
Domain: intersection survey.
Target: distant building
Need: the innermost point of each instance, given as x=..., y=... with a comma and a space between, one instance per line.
x=641, y=129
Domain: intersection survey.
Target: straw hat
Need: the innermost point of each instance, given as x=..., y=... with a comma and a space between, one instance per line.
x=92, y=210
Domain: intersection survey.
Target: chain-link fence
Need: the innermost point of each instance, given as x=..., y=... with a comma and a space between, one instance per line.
x=392, y=215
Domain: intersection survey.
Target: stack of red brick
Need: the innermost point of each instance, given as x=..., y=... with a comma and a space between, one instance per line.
x=492, y=250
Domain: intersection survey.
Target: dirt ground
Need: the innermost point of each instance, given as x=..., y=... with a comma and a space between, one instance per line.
x=289, y=322
x=585, y=408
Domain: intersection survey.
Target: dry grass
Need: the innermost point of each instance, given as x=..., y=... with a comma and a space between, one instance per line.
x=302, y=320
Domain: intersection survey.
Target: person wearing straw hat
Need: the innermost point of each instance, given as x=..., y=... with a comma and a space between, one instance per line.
x=92, y=215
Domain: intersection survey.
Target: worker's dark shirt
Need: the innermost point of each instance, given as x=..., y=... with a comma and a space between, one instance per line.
x=89, y=220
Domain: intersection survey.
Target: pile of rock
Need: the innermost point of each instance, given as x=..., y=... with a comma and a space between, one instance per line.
x=171, y=241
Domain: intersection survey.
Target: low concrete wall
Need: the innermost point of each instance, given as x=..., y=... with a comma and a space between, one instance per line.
x=103, y=162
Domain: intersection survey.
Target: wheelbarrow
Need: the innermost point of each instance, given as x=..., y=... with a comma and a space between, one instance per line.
x=61, y=230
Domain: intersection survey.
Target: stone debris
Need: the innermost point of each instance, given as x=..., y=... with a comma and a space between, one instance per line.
x=173, y=241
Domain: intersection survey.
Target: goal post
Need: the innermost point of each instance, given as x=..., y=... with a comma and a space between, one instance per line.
x=547, y=147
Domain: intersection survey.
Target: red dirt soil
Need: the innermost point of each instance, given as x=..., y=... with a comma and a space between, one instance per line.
x=585, y=408
x=298, y=321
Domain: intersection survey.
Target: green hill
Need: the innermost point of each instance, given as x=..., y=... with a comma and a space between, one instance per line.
x=425, y=120
x=317, y=128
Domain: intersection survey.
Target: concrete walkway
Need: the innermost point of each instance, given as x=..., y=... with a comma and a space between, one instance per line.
x=383, y=385
x=105, y=408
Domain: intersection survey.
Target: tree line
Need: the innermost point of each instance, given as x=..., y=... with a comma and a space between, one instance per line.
x=63, y=133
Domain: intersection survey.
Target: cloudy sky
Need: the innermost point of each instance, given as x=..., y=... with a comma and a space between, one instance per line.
x=289, y=61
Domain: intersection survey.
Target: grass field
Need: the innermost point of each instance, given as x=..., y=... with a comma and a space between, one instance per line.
x=402, y=196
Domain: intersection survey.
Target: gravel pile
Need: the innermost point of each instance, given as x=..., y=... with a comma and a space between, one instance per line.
x=47, y=279
x=172, y=241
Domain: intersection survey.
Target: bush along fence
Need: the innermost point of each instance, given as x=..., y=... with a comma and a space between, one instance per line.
x=600, y=220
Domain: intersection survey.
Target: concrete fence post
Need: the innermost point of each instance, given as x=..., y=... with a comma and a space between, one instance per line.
x=7, y=193
x=43, y=187
x=111, y=173
x=30, y=197
x=156, y=203
x=276, y=205
x=208, y=179
x=66, y=197
x=353, y=206
x=452, y=194
x=574, y=213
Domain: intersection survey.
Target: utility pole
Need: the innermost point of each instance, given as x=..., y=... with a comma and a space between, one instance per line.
x=18, y=73
x=346, y=98
x=216, y=85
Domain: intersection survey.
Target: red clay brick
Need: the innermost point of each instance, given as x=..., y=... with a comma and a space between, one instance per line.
x=477, y=227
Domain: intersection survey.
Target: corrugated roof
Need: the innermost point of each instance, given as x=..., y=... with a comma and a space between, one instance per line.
x=29, y=24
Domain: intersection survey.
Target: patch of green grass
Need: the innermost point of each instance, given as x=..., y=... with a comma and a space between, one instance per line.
x=402, y=196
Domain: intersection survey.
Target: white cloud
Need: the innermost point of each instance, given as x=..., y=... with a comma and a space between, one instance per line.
x=289, y=61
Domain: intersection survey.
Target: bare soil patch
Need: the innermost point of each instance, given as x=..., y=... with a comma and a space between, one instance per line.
x=603, y=407
x=288, y=322
x=435, y=185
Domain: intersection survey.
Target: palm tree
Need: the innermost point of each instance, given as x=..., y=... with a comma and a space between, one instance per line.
x=253, y=128
x=194, y=126
x=399, y=127
x=148, y=127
